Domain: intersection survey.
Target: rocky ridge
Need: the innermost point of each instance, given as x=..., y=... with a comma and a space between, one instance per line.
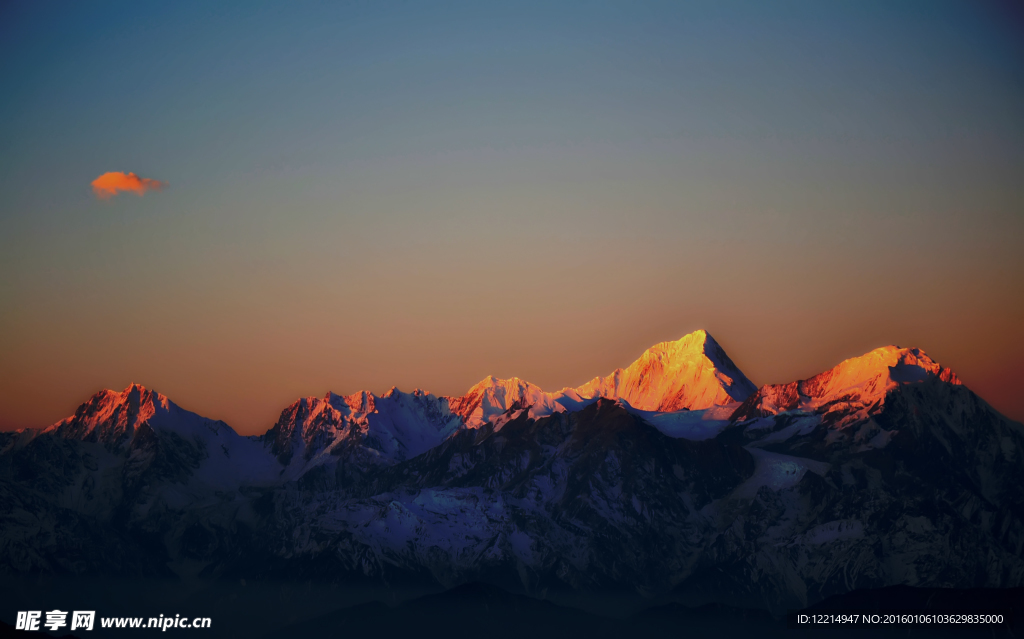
x=672, y=477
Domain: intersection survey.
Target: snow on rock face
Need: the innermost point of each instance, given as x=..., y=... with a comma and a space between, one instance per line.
x=777, y=472
x=692, y=373
x=407, y=424
x=849, y=391
x=871, y=375
x=383, y=487
x=391, y=427
x=492, y=397
x=310, y=423
x=695, y=425
x=146, y=426
x=112, y=418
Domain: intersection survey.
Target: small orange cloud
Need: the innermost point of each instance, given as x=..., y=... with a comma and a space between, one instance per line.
x=108, y=185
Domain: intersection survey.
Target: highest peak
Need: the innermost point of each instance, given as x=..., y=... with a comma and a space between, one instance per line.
x=690, y=348
x=696, y=339
x=692, y=345
x=692, y=372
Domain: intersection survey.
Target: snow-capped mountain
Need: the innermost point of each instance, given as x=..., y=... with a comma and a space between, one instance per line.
x=673, y=477
x=384, y=429
x=157, y=435
x=847, y=393
x=692, y=373
x=115, y=419
x=492, y=397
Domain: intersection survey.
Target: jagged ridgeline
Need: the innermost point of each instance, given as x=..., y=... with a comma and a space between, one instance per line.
x=673, y=477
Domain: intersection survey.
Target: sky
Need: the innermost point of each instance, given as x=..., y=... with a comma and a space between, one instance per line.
x=363, y=195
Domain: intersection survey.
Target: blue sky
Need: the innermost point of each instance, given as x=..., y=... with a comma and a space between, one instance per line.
x=368, y=194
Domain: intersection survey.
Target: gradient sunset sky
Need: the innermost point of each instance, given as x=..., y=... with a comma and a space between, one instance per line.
x=362, y=195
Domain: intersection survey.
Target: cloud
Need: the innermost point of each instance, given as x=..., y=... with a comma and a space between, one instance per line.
x=108, y=185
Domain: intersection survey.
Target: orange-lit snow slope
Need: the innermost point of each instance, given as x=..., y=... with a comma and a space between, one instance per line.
x=110, y=416
x=688, y=389
x=692, y=373
x=850, y=391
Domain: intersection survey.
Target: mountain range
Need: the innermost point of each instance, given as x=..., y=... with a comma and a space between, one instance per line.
x=675, y=478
